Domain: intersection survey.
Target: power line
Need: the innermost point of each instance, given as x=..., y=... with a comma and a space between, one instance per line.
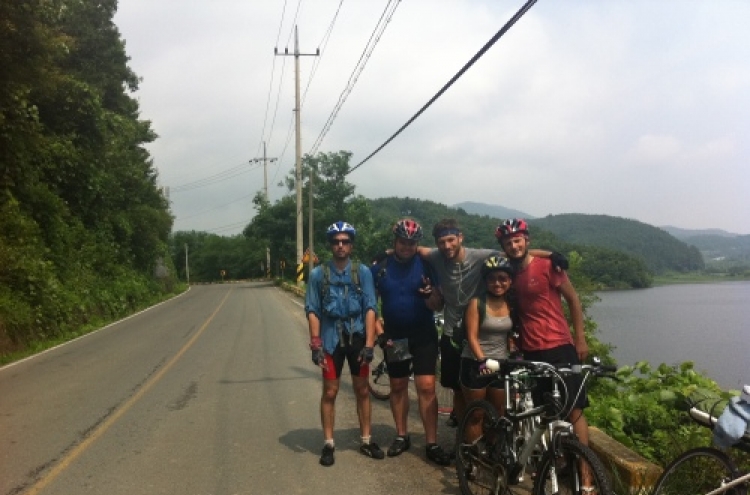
x=218, y=207
x=213, y=179
x=460, y=73
x=377, y=33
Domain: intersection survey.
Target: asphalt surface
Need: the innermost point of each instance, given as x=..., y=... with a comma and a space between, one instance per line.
x=210, y=393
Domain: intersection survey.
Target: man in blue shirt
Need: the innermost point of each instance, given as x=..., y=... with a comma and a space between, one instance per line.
x=340, y=305
x=408, y=334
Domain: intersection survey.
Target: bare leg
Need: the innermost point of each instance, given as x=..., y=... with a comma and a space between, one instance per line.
x=474, y=428
x=428, y=406
x=328, y=407
x=580, y=425
x=364, y=408
x=400, y=404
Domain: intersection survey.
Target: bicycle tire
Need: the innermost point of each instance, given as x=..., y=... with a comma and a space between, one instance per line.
x=700, y=470
x=560, y=470
x=380, y=382
x=477, y=473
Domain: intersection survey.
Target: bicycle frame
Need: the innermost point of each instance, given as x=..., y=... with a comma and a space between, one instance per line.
x=735, y=482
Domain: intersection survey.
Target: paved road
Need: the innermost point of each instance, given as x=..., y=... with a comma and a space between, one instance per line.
x=211, y=393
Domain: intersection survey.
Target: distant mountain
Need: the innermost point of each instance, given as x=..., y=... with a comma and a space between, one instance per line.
x=659, y=250
x=492, y=211
x=683, y=234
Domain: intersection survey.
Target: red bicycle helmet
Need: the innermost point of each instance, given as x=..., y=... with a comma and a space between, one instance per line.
x=408, y=229
x=510, y=227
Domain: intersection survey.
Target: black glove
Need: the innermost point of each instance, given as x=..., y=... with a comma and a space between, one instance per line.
x=379, y=257
x=316, y=346
x=382, y=340
x=367, y=354
x=558, y=260
x=318, y=357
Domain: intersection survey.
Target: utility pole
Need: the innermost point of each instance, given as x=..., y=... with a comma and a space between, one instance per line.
x=265, y=160
x=298, y=138
x=187, y=266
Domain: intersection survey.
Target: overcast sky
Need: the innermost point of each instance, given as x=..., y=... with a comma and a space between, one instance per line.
x=637, y=109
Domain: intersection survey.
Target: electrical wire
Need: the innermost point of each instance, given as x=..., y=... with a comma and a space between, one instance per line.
x=377, y=33
x=218, y=207
x=270, y=83
x=460, y=73
x=213, y=179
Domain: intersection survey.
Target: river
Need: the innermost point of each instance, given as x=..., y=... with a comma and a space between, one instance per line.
x=708, y=324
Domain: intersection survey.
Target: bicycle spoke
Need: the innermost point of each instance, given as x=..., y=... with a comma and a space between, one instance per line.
x=697, y=471
x=573, y=470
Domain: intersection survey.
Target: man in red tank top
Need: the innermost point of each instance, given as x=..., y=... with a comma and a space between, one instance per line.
x=545, y=334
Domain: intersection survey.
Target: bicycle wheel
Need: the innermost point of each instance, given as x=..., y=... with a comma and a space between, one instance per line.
x=698, y=471
x=380, y=383
x=477, y=473
x=571, y=469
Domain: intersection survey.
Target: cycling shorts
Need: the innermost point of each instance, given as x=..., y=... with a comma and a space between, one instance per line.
x=423, y=361
x=349, y=352
x=450, y=364
x=471, y=379
x=563, y=355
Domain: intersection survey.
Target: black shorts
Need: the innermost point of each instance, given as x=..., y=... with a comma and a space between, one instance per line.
x=562, y=355
x=471, y=379
x=349, y=353
x=423, y=361
x=450, y=364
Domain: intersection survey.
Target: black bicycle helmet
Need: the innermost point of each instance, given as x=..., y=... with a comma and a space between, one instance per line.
x=496, y=263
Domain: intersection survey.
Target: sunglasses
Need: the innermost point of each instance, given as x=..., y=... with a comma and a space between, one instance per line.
x=339, y=242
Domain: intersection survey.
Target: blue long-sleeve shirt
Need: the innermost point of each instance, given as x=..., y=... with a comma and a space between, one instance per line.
x=345, y=304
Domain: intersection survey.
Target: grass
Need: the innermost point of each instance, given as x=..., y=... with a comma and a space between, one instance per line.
x=695, y=278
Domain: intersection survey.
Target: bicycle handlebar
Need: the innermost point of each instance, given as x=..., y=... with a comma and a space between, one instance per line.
x=514, y=367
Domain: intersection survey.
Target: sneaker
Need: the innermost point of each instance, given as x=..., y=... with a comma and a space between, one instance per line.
x=371, y=450
x=326, y=457
x=399, y=445
x=436, y=454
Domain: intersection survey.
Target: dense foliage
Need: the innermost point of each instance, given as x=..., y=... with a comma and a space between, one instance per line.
x=660, y=251
x=83, y=226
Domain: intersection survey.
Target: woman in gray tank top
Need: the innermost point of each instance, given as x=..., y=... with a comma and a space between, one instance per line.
x=489, y=326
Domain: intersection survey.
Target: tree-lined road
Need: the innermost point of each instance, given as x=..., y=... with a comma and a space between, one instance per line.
x=210, y=393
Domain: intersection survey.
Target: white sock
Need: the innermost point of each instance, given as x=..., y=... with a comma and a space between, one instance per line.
x=366, y=440
x=330, y=442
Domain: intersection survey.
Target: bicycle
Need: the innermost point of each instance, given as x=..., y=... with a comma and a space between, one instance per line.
x=704, y=470
x=497, y=459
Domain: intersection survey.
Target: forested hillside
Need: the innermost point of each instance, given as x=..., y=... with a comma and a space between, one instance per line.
x=494, y=211
x=660, y=251
x=83, y=226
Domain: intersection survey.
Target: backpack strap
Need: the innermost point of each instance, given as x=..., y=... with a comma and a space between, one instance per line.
x=355, y=275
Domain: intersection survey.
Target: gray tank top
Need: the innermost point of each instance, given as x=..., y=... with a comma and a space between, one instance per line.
x=493, y=338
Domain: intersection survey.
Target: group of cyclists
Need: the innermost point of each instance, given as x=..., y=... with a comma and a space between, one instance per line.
x=504, y=301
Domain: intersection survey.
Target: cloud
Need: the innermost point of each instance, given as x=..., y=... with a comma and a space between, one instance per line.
x=629, y=108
